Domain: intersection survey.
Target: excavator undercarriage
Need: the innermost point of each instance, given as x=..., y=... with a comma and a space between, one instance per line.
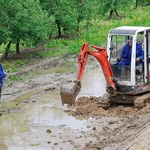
x=139, y=101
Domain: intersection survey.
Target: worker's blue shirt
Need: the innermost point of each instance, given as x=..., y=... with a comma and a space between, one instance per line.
x=126, y=53
x=2, y=74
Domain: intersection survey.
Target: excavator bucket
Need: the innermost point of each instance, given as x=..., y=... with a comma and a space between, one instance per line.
x=69, y=92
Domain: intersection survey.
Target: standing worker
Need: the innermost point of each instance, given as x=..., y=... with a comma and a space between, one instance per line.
x=2, y=75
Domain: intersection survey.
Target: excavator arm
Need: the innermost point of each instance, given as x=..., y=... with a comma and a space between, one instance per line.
x=68, y=93
x=101, y=55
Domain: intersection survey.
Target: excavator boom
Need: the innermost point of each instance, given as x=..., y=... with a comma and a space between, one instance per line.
x=101, y=55
x=69, y=93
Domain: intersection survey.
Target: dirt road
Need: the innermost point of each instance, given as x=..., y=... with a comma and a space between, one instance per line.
x=32, y=117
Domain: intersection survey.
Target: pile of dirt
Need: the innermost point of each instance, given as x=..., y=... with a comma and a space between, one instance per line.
x=89, y=106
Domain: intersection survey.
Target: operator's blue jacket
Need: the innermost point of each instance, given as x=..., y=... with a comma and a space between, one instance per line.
x=126, y=53
x=2, y=75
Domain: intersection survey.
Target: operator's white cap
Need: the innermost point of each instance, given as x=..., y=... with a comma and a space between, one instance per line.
x=129, y=40
x=1, y=55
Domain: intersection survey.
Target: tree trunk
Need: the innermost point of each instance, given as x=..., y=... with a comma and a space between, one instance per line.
x=110, y=14
x=17, y=48
x=59, y=29
x=7, y=49
x=136, y=3
x=116, y=13
x=78, y=20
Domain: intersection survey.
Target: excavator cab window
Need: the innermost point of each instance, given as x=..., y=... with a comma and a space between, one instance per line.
x=121, y=72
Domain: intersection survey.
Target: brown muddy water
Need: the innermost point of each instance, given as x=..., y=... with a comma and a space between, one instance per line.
x=38, y=121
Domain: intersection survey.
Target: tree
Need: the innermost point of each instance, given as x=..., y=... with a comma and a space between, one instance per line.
x=112, y=6
x=62, y=11
x=23, y=20
x=82, y=9
x=142, y=3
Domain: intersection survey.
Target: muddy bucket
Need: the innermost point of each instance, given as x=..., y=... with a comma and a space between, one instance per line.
x=69, y=92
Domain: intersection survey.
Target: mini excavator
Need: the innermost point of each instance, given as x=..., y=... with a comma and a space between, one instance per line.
x=128, y=85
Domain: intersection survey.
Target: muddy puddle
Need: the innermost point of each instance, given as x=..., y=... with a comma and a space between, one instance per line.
x=40, y=112
x=38, y=121
x=93, y=83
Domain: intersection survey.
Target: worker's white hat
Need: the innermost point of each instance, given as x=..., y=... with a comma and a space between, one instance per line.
x=1, y=55
x=129, y=40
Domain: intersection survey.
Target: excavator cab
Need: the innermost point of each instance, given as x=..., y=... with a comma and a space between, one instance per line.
x=129, y=77
x=126, y=83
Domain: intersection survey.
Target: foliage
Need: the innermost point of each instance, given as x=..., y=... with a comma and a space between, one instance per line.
x=63, y=13
x=115, y=8
x=23, y=20
x=142, y=3
x=98, y=31
x=83, y=11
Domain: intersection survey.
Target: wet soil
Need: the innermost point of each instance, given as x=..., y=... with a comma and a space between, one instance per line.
x=32, y=116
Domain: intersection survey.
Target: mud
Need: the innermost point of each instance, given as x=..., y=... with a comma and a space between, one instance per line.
x=32, y=116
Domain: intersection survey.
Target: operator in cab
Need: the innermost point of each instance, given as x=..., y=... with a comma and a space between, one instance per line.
x=125, y=56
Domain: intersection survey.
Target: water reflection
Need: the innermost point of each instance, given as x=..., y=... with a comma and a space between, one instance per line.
x=51, y=113
x=93, y=82
x=46, y=112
